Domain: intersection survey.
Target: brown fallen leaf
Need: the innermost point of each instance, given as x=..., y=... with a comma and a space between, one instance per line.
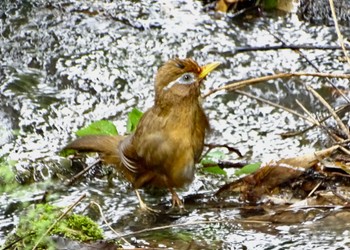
x=289, y=216
x=325, y=204
x=272, y=174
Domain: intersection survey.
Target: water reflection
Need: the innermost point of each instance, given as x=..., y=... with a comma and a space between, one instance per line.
x=65, y=64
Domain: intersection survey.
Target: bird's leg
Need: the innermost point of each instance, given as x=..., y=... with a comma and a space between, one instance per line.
x=143, y=205
x=176, y=200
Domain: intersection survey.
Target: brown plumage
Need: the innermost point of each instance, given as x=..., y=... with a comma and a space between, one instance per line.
x=169, y=139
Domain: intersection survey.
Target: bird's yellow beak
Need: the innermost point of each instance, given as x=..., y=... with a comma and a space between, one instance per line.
x=206, y=69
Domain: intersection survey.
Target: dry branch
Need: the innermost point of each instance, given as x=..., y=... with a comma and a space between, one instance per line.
x=344, y=128
x=275, y=105
x=340, y=36
x=240, y=84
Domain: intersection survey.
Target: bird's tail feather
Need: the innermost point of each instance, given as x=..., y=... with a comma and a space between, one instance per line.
x=105, y=144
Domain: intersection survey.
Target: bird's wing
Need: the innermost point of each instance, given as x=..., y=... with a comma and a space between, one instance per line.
x=128, y=155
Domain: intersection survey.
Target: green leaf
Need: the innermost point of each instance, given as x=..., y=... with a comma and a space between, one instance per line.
x=67, y=152
x=215, y=170
x=248, y=169
x=212, y=157
x=101, y=127
x=133, y=119
x=207, y=161
x=270, y=4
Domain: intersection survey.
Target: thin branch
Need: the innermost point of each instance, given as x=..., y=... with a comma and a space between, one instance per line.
x=314, y=120
x=169, y=226
x=75, y=177
x=317, y=123
x=59, y=219
x=291, y=134
x=240, y=84
x=105, y=220
x=211, y=146
x=343, y=142
x=275, y=105
x=340, y=36
x=296, y=133
x=346, y=151
x=308, y=118
x=286, y=46
x=341, y=125
x=314, y=189
x=146, y=230
x=300, y=53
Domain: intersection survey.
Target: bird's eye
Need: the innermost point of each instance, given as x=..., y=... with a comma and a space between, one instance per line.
x=186, y=78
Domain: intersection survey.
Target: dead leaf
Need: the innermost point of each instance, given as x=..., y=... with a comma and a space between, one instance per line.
x=271, y=175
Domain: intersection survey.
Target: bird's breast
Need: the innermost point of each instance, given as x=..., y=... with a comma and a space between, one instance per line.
x=170, y=141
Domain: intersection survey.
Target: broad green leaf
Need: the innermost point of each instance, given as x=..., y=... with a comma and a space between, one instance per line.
x=133, y=119
x=216, y=154
x=101, y=127
x=248, y=169
x=215, y=170
x=212, y=157
x=207, y=161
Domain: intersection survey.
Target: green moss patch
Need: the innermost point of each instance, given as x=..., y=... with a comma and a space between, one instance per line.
x=38, y=220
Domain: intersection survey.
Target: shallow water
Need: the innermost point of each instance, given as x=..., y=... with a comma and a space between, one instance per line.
x=65, y=64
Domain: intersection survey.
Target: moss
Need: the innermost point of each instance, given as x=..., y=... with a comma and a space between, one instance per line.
x=79, y=227
x=36, y=222
x=7, y=176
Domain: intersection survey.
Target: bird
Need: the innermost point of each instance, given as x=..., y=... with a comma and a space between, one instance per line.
x=169, y=138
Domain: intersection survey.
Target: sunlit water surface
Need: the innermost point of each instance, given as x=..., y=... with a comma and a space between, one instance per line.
x=65, y=64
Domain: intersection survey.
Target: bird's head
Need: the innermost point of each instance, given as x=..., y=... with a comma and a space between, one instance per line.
x=181, y=77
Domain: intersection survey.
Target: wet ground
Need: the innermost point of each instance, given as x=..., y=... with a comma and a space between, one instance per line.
x=65, y=64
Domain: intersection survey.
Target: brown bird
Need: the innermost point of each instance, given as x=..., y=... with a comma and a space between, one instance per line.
x=169, y=139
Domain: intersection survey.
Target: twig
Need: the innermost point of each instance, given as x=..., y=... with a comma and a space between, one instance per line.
x=346, y=151
x=75, y=177
x=331, y=110
x=146, y=230
x=310, y=119
x=58, y=220
x=313, y=119
x=274, y=105
x=290, y=134
x=296, y=133
x=105, y=220
x=342, y=197
x=343, y=142
x=286, y=46
x=240, y=84
x=170, y=226
x=211, y=146
x=340, y=36
x=300, y=53
x=317, y=123
x=314, y=189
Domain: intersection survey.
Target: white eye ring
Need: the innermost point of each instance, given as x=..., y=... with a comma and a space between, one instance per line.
x=186, y=78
